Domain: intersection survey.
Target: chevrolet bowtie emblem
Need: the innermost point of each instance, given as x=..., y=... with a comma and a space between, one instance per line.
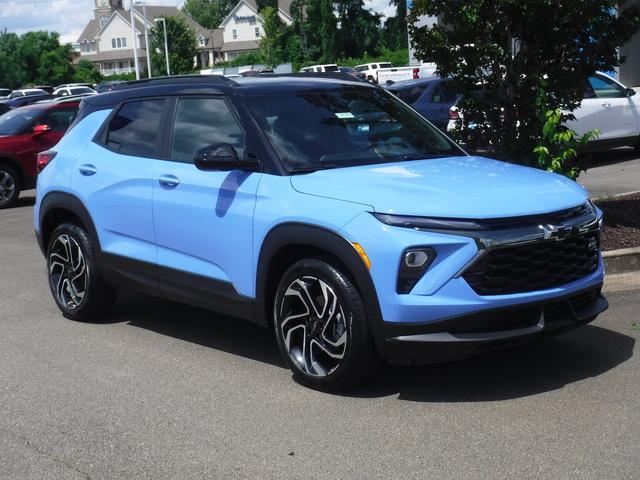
x=553, y=232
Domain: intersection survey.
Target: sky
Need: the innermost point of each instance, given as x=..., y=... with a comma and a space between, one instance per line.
x=68, y=17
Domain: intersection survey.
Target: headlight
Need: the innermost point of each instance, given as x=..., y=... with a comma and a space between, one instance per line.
x=425, y=223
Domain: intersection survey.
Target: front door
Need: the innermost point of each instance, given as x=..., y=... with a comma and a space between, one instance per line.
x=607, y=108
x=204, y=219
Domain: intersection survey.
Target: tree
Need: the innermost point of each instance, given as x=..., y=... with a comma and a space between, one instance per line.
x=394, y=32
x=181, y=42
x=359, y=32
x=86, y=72
x=54, y=66
x=208, y=13
x=13, y=73
x=510, y=49
x=271, y=44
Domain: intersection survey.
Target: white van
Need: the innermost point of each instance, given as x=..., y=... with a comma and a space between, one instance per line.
x=332, y=67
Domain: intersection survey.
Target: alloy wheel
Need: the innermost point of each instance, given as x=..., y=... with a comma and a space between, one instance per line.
x=68, y=272
x=313, y=326
x=7, y=186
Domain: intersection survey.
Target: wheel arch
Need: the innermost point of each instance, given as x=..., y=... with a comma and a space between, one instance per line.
x=58, y=207
x=287, y=243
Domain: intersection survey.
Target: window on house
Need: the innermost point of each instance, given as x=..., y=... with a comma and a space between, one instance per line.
x=119, y=42
x=201, y=41
x=257, y=32
x=124, y=42
x=235, y=34
x=113, y=43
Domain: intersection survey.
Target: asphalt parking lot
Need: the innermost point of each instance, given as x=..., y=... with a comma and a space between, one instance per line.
x=165, y=391
x=612, y=173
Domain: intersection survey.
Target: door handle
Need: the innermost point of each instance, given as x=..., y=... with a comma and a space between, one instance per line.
x=168, y=181
x=606, y=104
x=87, y=169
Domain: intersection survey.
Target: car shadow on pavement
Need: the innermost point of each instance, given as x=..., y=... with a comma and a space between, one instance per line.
x=28, y=201
x=506, y=374
x=191, y=324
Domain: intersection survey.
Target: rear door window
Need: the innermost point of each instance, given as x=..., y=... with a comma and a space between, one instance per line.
x=606, y=88
x=203, y=122
x=135, y=129
x=412, y=94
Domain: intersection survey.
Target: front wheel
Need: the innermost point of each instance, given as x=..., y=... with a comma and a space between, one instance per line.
x=321, y=327
x=74, y=276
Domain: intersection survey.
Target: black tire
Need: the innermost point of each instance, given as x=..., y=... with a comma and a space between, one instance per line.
x=9, y=186
x=345, y=321
x=370, y=79
x=79, y=298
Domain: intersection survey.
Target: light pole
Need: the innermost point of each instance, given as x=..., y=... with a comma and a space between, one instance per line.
x=166, y=48
x=135, y=48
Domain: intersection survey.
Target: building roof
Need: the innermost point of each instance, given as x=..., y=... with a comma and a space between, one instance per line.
x=240, y=46
x=89, y=31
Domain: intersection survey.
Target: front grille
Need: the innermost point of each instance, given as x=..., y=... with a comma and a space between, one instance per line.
x=534, y=266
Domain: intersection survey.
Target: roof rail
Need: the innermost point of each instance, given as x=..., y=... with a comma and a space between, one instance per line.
x=194, y=78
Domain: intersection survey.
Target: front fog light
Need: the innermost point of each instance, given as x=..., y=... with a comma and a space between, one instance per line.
x=415, y=262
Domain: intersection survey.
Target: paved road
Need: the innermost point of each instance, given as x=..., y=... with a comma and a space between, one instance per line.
x=613, y=172
x=164, y=391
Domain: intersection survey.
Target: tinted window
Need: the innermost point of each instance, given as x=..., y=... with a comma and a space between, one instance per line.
x=331, y=68
x=443, y=94
x=201, y=122
x=385, y=65
x=136, y=128
x=349, y=126
x=606, y=88
x=79, y=90
x=59, y=119
x=412, y=94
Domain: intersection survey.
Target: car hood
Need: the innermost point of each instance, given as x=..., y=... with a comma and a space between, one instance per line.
x=457, y=187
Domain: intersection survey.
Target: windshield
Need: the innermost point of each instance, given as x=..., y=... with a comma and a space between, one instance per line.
x=15, y=121
x=345, y=127
x=385, y=65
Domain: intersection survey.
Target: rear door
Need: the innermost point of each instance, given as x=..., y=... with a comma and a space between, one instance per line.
x=114, y=178
x=204, y=219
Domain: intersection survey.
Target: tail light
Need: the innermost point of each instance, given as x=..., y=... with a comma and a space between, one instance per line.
x=44, y=158
x=454, y=114
x=416, y=73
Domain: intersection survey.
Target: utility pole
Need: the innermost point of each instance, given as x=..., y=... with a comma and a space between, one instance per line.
x=135, y=47
x=146, y=37
x=166, y=48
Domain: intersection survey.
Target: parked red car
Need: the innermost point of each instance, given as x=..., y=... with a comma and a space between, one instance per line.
x=24, y=132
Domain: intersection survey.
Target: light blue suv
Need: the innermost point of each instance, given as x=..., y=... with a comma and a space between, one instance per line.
x=324, y=208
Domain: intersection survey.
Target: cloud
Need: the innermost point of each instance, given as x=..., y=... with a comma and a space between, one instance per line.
x=69, y=17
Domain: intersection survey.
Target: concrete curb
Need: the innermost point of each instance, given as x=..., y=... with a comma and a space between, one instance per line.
x=623, y=260
x=613, y=196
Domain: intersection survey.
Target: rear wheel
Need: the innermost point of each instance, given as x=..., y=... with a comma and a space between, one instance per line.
x=74, y=277
x=321, y=327
x=9, y=186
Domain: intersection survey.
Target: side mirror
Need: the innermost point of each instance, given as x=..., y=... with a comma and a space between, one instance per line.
x=630, y=92
x=224, y=157
x=41, y=129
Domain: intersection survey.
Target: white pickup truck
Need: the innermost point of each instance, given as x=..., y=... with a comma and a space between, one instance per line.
x=383, y=72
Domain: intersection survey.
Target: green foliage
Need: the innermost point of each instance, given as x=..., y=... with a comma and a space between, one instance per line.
x=127, y=77
x=271, y=49
x=249, y=58
x=86, y=72
x=35, y=58
x=359, y=32
x=208, y=13
x=558, y=147
x=181, y=41
x=508, y=47
x=397, y=58
x=394, y=33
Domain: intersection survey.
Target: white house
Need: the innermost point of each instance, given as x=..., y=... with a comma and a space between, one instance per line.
x=108, y=41
x=243, y=28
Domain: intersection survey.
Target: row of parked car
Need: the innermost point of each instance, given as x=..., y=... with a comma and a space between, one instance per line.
x=378, y=72
x=607, y=105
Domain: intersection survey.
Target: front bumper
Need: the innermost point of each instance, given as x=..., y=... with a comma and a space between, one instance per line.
x=465, y=335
